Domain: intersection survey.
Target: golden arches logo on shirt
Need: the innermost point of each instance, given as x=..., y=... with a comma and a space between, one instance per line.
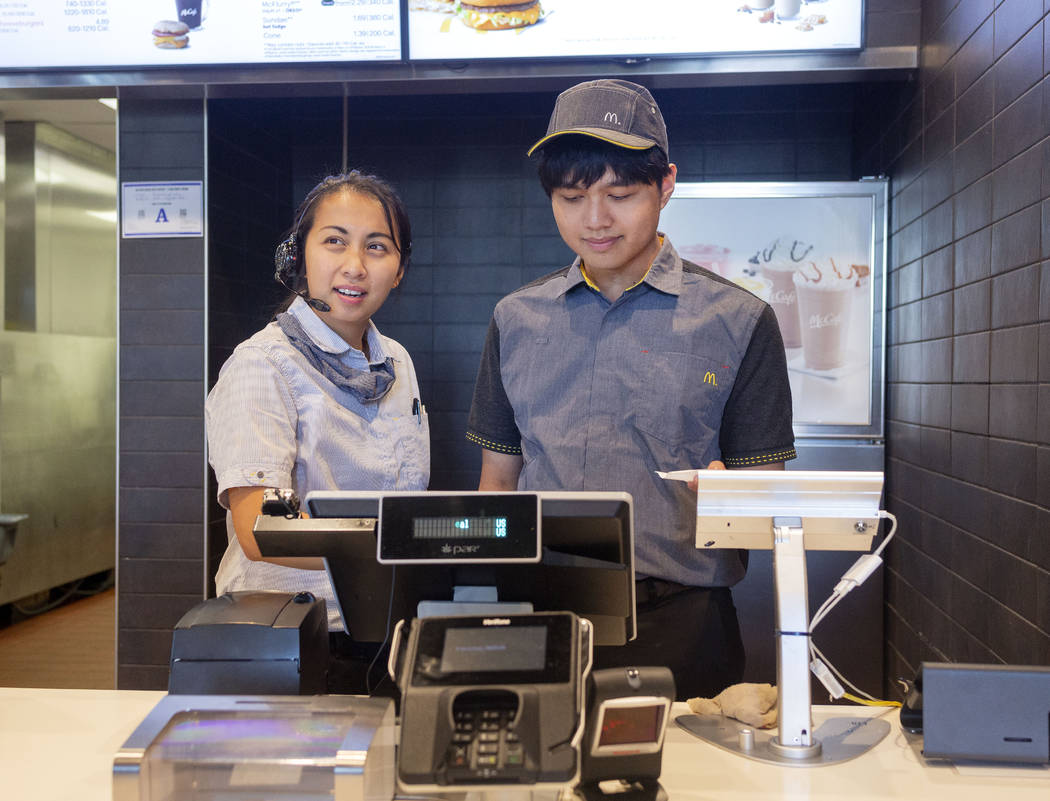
x=709, y=378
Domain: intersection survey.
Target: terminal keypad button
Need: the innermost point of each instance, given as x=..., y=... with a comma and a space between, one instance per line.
x=484, y=747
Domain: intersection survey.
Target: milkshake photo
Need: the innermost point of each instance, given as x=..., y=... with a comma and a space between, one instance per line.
x=825, y=298
x=777, y=263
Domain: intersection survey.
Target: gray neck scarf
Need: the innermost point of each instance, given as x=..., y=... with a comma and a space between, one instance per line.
x=368, y=386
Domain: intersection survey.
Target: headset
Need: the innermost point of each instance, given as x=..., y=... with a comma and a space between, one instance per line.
x=286, y=260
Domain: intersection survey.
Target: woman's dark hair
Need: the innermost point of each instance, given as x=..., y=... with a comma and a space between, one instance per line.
x=363, y=184
x=574, y=159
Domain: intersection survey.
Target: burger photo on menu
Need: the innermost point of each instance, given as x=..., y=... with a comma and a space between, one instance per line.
x=498, y=15
x=171, y=35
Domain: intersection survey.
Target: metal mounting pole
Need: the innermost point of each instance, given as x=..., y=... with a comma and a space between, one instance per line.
x=795, y=720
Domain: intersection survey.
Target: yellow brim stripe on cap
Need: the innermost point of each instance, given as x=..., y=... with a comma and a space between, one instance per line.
x=547, y=138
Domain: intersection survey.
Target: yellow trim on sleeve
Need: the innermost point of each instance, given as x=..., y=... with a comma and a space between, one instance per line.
x=489, y=445
x=767, y=458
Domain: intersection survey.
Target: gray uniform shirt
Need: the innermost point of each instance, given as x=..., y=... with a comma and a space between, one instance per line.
x=683, y=368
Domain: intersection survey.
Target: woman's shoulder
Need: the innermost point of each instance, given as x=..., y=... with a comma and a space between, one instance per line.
x=393, y=348
x=268, y=345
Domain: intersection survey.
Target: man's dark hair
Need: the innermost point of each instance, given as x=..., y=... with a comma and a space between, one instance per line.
x=573, y=159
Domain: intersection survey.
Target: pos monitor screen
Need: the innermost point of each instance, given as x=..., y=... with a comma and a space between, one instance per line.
x=585, y=565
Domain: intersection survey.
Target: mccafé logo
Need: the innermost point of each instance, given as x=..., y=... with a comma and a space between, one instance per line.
x=188, y=12
x=783, y=296
x=825, y=320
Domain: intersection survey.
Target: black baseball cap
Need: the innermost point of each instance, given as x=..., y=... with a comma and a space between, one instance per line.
x=615, y=111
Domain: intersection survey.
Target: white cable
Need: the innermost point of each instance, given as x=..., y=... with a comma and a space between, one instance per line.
x=814, y=651
x=826, y=676
x=893, y=530
x=856, y=575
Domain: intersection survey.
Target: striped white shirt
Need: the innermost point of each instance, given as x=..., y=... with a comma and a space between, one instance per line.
x=274, y=421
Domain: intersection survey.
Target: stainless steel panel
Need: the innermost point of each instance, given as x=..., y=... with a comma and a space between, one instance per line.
x=58, y=457
x=58, y=372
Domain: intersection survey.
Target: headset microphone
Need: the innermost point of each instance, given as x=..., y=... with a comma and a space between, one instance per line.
x=286, y=263
x=313, y=303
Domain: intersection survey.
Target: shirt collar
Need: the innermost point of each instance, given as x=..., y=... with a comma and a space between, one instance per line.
x=664, y=274
x=328, y=340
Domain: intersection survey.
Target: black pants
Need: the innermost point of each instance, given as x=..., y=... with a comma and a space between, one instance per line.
x=692, y=630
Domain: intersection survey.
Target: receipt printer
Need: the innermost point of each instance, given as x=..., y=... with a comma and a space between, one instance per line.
x=489, y=701
x=259, y=643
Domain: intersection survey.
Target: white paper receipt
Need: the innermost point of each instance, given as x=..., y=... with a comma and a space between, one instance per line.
x=677, y=475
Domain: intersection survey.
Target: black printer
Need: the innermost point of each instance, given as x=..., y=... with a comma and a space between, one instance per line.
x=251, y=643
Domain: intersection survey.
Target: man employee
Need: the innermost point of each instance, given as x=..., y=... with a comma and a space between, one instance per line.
x=628, y=361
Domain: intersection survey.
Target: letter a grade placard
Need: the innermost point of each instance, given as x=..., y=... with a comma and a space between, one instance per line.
x=162, y=209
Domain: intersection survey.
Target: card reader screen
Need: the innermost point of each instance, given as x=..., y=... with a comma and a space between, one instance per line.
x=453, y=528
x=638, y=724
x=472, y=650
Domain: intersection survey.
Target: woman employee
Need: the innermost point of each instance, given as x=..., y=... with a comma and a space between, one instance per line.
x=319, y=399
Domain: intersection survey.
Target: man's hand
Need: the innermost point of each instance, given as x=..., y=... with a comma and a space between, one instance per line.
x=694, y=483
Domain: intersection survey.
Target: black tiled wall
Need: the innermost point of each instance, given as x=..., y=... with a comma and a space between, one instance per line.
x=482, y=228
x=968, y=152
x=160, y=568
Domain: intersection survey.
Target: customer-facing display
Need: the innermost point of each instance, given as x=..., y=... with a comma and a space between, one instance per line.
x=435, y=527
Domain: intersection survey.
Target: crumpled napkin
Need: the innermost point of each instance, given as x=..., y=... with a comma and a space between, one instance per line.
x=753, y=704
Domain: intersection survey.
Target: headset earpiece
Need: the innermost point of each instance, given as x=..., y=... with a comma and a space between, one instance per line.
x=286, y=261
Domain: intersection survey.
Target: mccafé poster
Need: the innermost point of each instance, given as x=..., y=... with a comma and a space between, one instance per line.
x=815, y=253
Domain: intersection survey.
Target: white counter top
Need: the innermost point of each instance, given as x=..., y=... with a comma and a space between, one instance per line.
x=57, y=745
x=893, y=769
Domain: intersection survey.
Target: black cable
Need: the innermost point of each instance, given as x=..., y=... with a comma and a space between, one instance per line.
x=386, y=640
x=68, y=590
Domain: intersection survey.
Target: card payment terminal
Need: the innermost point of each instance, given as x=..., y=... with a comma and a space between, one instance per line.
x=491, y=700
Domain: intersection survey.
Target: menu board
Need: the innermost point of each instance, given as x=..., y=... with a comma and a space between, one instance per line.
x=176, y=33
x=472, y=29
x=814, y=252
